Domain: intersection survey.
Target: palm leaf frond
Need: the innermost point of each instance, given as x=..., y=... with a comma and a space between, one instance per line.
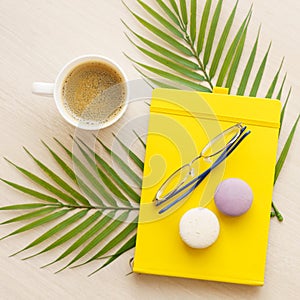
x=22, y=206
x=259, y=75
x=193, y=18
x=168, y=12
x=127, y=246
x=212, y=32
x=46, y=185
x=236, y=60
x=104, y=232
x=75, y=177
x=31, y=215
x=161, y=34
x=248, y=68
x=59, y=227
x=104, y=222
x=93, y=180
x=231, y=50
x=160, y=19
x=203, y=24
x=39, y=222
x=31, y=192
x=221, y=44
x=167, y=62
x=71, y=234
x=122, y=184
x=63, y=184
x=274, y=82
x=285, y=150
x=284, y=108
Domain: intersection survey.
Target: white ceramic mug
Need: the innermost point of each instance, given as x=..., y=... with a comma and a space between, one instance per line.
x=55, y=90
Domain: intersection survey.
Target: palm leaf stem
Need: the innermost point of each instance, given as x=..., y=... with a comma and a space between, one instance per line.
x=201, y=65
x=190, y=43
x=100, y=207
x=276, y=213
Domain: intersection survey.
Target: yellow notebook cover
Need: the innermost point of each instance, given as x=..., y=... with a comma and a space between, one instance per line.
x=180, y=125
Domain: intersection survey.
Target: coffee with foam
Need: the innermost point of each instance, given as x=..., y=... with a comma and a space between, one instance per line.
x=94, y=92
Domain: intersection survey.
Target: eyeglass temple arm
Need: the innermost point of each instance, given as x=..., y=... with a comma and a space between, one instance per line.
x=225, y=154
x=202, y=176
x=220, y=159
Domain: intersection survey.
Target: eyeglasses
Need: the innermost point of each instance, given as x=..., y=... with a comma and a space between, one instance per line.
x=185, y=179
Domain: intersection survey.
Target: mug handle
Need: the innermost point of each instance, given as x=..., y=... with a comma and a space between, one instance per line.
x=43, y=88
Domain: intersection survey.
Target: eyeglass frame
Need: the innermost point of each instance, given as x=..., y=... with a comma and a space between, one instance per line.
x=225, y=152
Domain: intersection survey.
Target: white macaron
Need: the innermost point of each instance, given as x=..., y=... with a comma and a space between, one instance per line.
x=199, y=228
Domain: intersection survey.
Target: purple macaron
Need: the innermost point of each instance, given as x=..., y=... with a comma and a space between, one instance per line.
x=233, y=197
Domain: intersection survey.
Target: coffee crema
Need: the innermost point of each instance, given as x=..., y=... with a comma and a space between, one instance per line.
x=94, y=92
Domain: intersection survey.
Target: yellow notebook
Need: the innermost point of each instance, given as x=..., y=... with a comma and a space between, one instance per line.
x=180, y=125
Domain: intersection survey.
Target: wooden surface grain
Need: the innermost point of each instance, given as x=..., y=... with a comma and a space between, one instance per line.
x=37, y=37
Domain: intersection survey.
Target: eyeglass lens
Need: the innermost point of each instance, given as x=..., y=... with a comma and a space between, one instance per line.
x=221, y=141
x=174, y=181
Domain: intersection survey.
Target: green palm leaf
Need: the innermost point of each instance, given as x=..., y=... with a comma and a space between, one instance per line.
x=127, y=246
x=285, y=150
x=22, y=206
x=59, y=227
x=160, y=19
x=71, y=234
x=161, y=34
x=45, y=185
x=34, y=214
x=86, y=236
x=183, y=11
x=60, y=181
x=193, y=18
x=168, y=11
x=139, y=138
x=114, y=242
x=259, y=74
x=203, y=24
x=131, y=154
x=249, y=66
x=274, y=82
x=108, y=183
x=212, y=32
x=221, y=44
x=174, y=6
x=281, y=87
x=284, y=108
x=114, y=176
x=236, y=60
x=122, y=164
x=230, y=53
x=100, y=236
x=88, y=175
x=54, y=209
x=162, y=50
x=31, y=192
x=174, y=66
x=172, y=77
x=76, y=179
x=39, y=222
x=154, y=81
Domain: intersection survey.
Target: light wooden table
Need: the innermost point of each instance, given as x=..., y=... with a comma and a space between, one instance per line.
x=37, y=37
